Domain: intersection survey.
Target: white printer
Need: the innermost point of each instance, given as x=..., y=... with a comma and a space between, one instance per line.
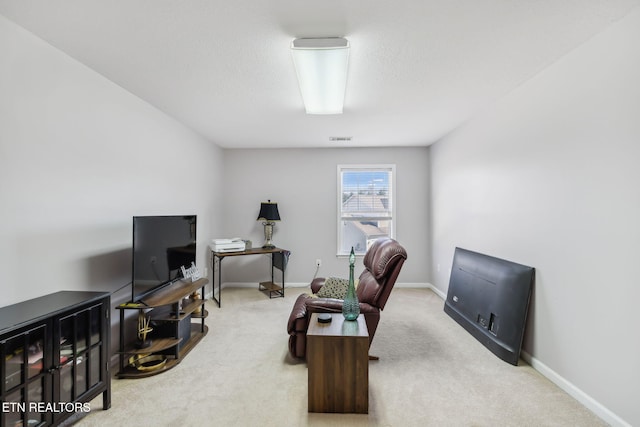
x=227, y=245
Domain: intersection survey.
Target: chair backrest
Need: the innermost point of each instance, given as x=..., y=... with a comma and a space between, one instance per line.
x=382, y=263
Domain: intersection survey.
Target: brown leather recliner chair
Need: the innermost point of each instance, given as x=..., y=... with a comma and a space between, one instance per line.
x=382, y=263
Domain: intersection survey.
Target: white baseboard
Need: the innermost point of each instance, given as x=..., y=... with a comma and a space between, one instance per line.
x=589, y=402
x=306, y=284
x=254, y=285
x=437, y=291
x=420, y=285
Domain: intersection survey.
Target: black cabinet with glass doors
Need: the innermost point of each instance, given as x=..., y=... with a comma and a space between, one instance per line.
x=54, y=357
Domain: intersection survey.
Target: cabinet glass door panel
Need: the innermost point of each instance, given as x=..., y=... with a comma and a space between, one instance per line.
x=73, y=343
x=66, y=381
x=13, y=371
x=94, y=366
x=96, y=325
x=35, y=397
x=13, y=350
x=81, y=374
x=67, y=342
x=73, y=379
x=14, y=416
x=24, y=350
x=82, y=327
x=35, y=351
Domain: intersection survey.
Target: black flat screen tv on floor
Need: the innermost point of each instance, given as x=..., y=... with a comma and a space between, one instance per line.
x=489, y=297
x=161, y=246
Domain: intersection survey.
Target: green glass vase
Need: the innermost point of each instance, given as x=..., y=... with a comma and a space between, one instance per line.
x=351, y=306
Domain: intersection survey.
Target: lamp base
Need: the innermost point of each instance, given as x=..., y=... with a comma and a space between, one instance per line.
x=268, y=233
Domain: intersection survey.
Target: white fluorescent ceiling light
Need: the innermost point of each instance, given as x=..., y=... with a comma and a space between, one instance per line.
x=321, y=65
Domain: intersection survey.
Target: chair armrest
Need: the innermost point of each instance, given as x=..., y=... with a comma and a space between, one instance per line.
x=324, y=305
x=306, y=304
x=316, y=284
x=332, y=305
x=298, y=317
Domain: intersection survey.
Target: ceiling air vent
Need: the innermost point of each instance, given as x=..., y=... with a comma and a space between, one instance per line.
x=340, y=138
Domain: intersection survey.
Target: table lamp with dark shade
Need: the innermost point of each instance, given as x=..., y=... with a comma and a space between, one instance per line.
x=268, y=214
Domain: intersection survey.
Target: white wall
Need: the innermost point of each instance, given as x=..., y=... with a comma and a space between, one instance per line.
x=304, y=183
x=549, y=178
x=79, y=156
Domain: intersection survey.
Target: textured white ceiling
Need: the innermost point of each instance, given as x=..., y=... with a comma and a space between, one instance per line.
x=418, y=68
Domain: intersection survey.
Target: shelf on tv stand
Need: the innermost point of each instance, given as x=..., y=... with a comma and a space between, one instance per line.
x=175, y=343
x=129, y=372
x=172, y=293
x=157, y=345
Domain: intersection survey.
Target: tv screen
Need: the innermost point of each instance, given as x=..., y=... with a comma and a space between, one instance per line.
x=161, y=245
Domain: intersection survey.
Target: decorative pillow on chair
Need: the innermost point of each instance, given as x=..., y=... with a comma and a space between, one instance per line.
x=334, y=287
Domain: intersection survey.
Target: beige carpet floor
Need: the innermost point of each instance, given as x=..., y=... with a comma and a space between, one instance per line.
x=431, y=372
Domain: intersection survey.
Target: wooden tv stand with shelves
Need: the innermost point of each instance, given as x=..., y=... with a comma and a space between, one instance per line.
x=178, y=326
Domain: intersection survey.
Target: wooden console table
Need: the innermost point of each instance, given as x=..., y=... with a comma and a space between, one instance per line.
x=279, y=259
x=338, y=365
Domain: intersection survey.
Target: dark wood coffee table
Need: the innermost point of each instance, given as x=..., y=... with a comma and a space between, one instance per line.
x=338, y=365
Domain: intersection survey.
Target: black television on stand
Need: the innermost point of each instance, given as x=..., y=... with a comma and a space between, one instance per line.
x=161, y=246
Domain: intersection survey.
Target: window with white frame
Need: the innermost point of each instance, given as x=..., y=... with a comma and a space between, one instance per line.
x=366, y=206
